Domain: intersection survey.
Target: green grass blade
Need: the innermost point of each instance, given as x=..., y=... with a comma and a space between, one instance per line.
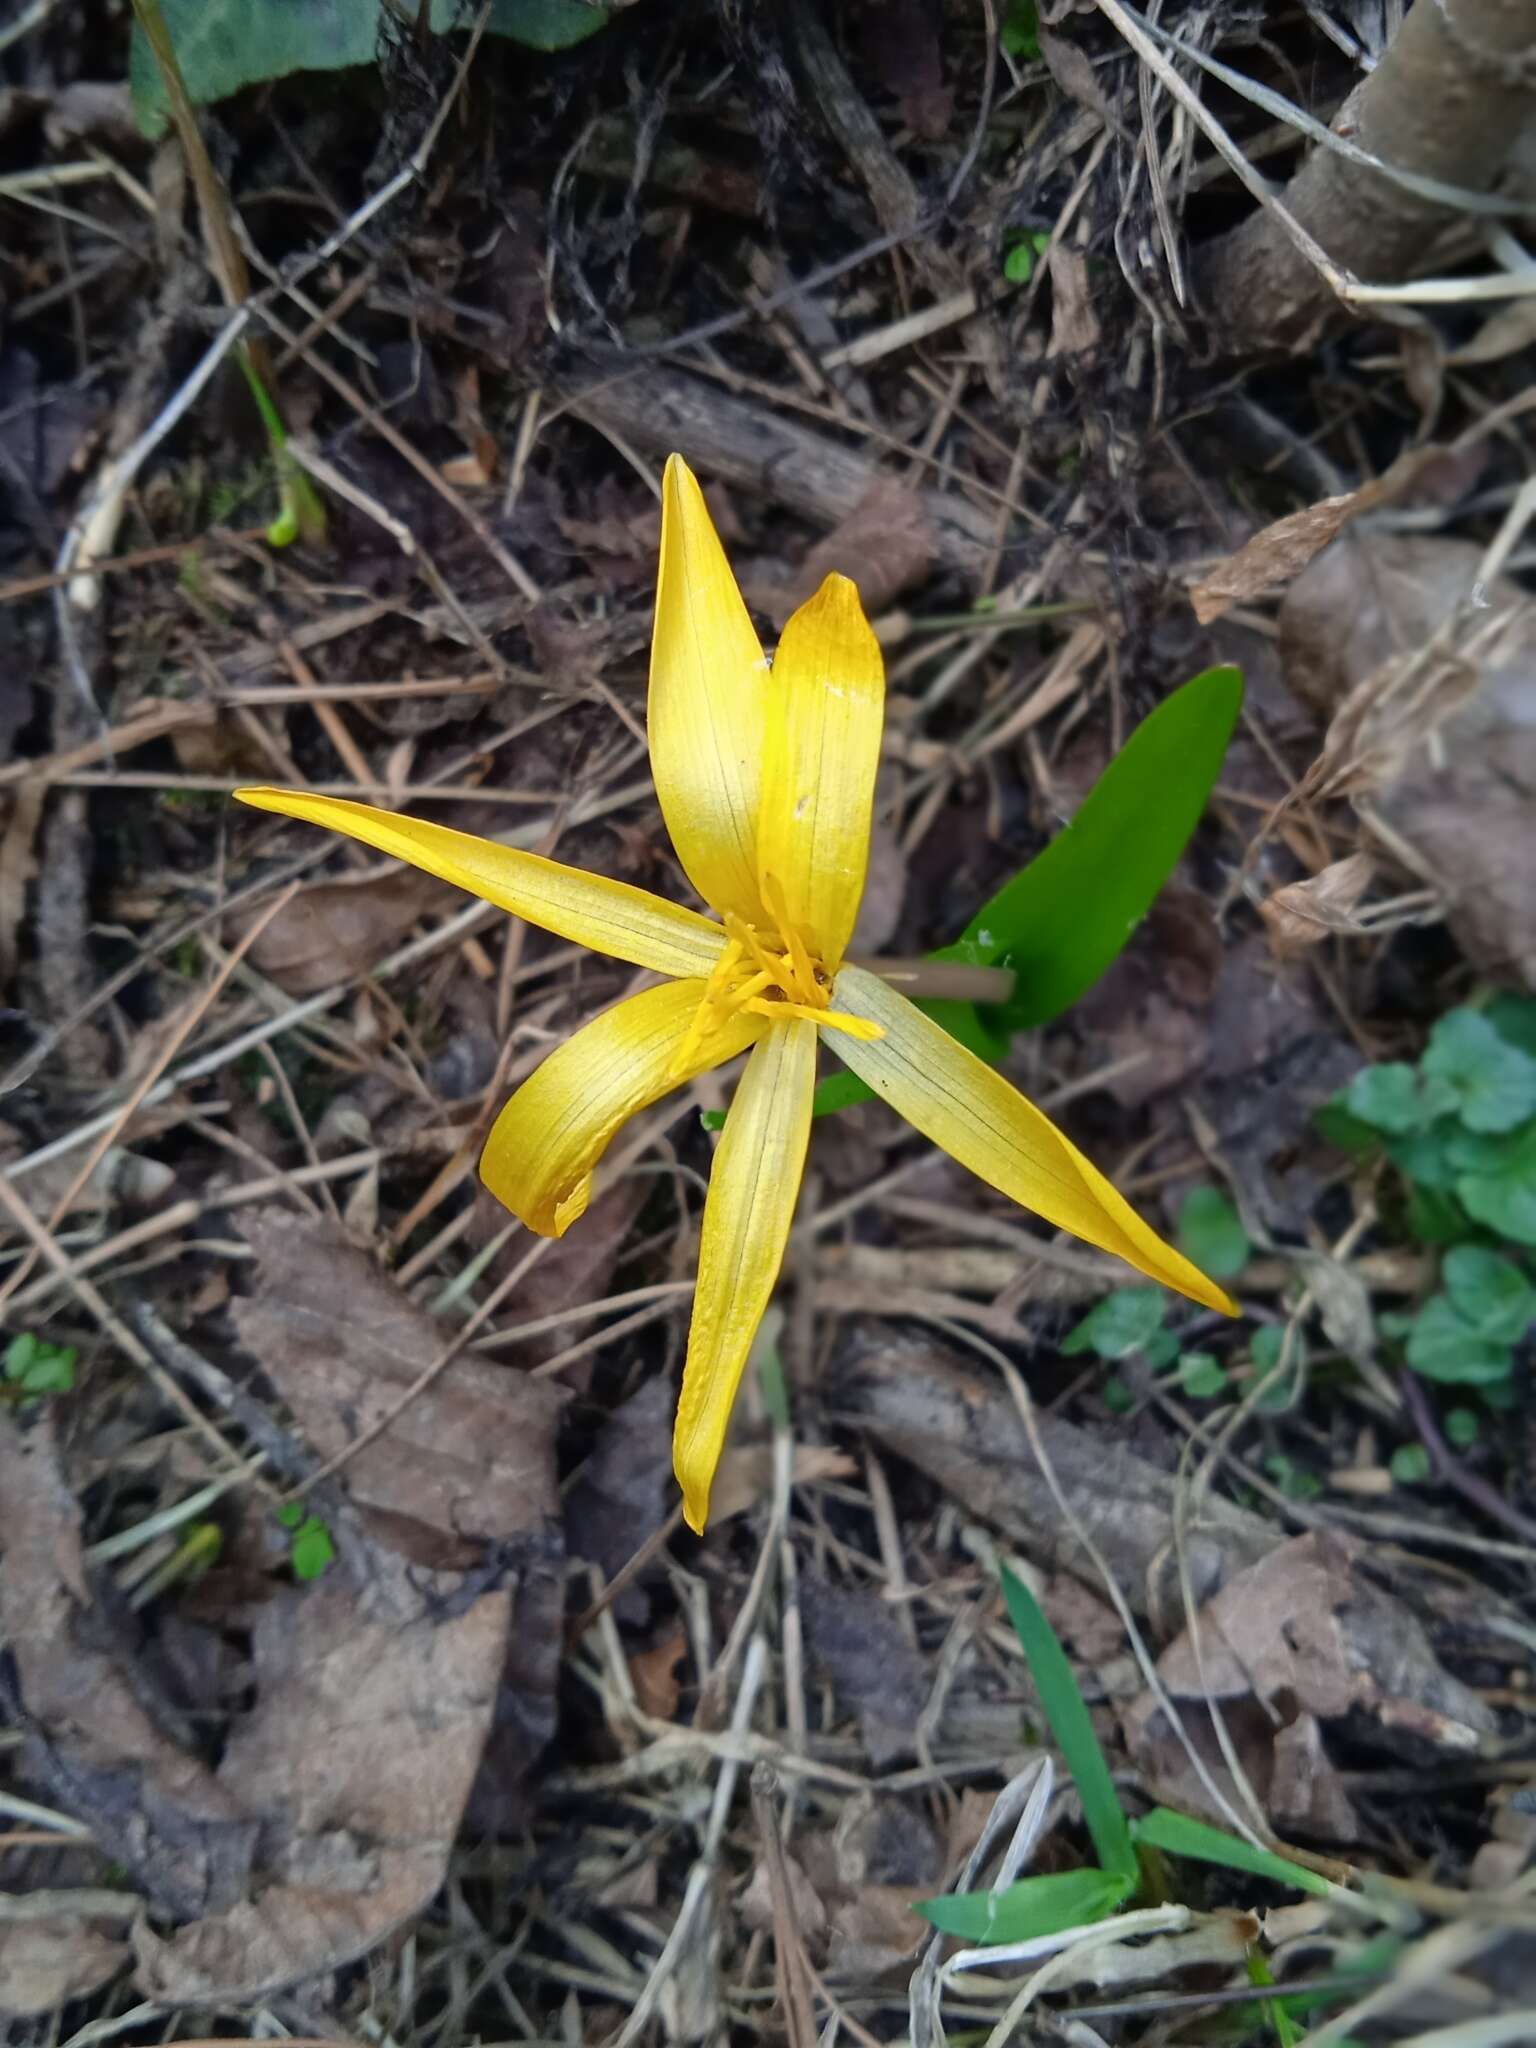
x=1177, y=1835
x=1034, y=1906
x=1073, y=1730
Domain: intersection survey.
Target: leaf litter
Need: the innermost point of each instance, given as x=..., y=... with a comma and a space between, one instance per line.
x=415, y=1757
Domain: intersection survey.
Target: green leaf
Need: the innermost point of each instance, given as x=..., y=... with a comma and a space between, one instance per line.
x=1462, y=1428
x=225, y=45
x=1492, y=1082
x=1427, y=1156
x=1410, y=1464
x=312, y=1549
x=1442, y=1345
x=1434, y=1217
x=1503, y=1195
x=1266, y=1349
x=1490, y=1292
x=1337, y=1122
x=1061, y=921
x=39, y=1368
x=1392, y=1098
x=1073, y=1730
x=1121, y=1323
x=1211, y=1233
x=1202, y=1375
x=1160, y=1349
x=1035, y=1905
x=1514, y=1019
x=1177, y=1835
x=291, y=1514
x=1019, y=263
x=1293, y=1480
x=1118, y=1398
x=1020, y=33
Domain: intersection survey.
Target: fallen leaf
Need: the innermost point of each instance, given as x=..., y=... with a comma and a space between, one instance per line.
x=1426, y=680
x=885, y=544
x=340, y=1787
x=1301, y=1635
x=756, y=1902
x=336, y=931
x=44, y=1963
x=654, y=1675
x=900, y=39
x=622, y=1495
x=1279, y=551
x=745, y=1474
x=855, y=1637
x=1303, y=914
x=1074, y=323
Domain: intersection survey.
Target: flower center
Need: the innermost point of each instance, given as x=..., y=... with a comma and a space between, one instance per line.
x=773, y=974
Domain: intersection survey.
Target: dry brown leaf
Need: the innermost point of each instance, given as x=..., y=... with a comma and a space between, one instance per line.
x=756, y=1902
x=1281, y=550
x=885, y=544
x=1074, y=323
x=653, y=1673
x=45, y=1962
x=1303, y=914
x=1434, y=738
x=336, y=931
x=1301, y=1636
x=339, y=1791
x=875, y=1931
x=745, y=1475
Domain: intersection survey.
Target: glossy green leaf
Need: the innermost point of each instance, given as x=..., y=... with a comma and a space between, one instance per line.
x=1177, y=1835
x=1066, y=917
x=1409, y=1465
x=1073, y=1729
x=225, y=45
x=1034, y=1906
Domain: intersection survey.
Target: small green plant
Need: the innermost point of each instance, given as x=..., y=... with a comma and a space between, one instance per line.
x=34, y=1368
x=1211, y=1233
x=1020, y=32
x=1459, y=1128
x=311, y=1547
x=1061, y=1900
x=1019, y=263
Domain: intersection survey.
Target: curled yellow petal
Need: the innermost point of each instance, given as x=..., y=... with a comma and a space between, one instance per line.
x=540, y=1155
x=710, y=704
x=960, y=1103
x=752, y=1193
x=823, y=754
x=611, y=917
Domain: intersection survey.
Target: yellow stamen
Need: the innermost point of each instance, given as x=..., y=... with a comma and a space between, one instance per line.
x=835, y=1020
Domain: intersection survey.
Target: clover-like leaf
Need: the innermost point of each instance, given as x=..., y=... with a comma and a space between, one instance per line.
x=1444, y=1346
x=1492, y=1082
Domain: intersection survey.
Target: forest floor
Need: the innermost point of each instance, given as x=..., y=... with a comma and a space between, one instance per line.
x=358, y=1681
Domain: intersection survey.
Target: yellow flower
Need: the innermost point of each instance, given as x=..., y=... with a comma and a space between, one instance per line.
x=766, y=777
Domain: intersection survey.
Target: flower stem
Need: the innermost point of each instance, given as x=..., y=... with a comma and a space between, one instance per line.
x=927, y=979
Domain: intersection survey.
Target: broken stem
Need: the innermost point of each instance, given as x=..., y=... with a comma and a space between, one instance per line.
x=931, y=980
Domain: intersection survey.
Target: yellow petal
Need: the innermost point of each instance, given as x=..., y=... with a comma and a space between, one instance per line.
x=960, y=1103
x=611, y=917
x=823, y=753
x=710, y=704
x=543, y=1147
x=752, y=1193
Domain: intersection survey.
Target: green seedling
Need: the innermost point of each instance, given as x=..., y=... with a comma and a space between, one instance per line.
x=34, y=1368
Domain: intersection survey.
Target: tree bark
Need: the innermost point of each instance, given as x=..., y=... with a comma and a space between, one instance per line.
x=1447, y=100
